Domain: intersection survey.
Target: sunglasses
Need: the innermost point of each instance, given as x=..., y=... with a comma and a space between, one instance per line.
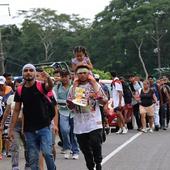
x=30, y=70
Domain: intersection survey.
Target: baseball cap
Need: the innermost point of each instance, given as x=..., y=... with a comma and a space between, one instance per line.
x=2, y=80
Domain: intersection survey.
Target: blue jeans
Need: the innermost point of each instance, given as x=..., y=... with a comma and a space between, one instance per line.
x=69, y=138
x=40, y=140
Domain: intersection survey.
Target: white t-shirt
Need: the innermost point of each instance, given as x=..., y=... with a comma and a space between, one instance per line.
x=117, y=86
x=87, y=118
x=137, y=86
x=11, y=102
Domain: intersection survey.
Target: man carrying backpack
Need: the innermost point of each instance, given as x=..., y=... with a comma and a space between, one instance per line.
x=37, y=120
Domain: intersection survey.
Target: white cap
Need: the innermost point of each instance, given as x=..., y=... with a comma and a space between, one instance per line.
x=28, y=66
x=2, y=80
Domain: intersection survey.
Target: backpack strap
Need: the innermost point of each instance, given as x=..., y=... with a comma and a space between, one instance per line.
x=39, y=87
x=41, y=90
x=19, y=90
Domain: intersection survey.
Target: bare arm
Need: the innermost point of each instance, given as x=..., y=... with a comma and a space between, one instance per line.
x=47, y=80
x=6, y=114
x=73, y=67
x=49, y=84
x=55, y=119
x=15, y=115
x=120, y=97
x=90, y=65
x=155, y=98
x=98, y=91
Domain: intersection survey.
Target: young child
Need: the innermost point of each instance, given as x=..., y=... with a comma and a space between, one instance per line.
x=81, y=58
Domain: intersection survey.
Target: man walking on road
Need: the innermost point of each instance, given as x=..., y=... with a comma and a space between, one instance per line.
x=37, y=130
x=84, y=98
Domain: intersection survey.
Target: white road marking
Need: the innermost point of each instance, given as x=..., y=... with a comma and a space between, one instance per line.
x=113, y=153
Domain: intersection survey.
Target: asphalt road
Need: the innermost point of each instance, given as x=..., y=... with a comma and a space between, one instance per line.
x=132, y=151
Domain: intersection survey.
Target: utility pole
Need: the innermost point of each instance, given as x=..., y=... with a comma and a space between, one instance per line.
x=2, y=59
x=2, y=68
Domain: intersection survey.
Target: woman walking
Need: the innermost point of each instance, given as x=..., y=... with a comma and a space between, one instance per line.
x=147, y=98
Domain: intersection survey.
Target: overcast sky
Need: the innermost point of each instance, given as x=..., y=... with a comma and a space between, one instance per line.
x=85, y=8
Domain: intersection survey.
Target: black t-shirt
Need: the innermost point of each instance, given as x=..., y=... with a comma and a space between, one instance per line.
x=32, y=108
x=146, y=98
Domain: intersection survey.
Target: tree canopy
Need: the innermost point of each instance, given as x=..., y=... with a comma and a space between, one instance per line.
x=112, y=39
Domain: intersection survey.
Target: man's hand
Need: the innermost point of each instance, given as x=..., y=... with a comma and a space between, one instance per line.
x=91, y=79
x=11, y=134
x=75, y=83
x=45, y=75
x=120, y=106
x=93, y=95
x=55, y=129
x=70, y=104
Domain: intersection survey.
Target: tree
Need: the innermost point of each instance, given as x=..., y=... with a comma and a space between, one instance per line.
x=123, y=26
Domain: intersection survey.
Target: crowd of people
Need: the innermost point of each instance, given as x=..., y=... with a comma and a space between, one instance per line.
x=36, y=108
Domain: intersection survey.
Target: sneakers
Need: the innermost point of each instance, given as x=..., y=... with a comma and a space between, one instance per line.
x=60, y=144
x=108, y=130
x=156, y=127
x=119, y=131
x=9, y=154
x=164, y=128
x=151, y=130
x=15, y=168
x=125, y=130
x=67, y=154
x=4, y=153
x=62, y=151
x=144, y=130
x=75, y=156
x=122, y=131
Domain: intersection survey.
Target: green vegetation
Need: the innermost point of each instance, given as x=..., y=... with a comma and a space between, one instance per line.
x=127, y=36
x=102, y=74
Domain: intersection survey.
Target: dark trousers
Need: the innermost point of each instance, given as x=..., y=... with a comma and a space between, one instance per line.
x=137, y=115
x=164, y=115
x=91, y=147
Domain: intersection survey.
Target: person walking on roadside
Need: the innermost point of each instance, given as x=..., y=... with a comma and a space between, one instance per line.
x=37, y=132
x=84, y=98
x=155, y=88
x=165, y=103
x=9, y=80
x=135, y=89
x=5, y=93
x=69, y=140
x=118, y=102
x=54, y=122
x=18, y=131
x=147, y=99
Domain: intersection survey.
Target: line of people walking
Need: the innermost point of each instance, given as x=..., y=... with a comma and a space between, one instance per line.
x=36, y=108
